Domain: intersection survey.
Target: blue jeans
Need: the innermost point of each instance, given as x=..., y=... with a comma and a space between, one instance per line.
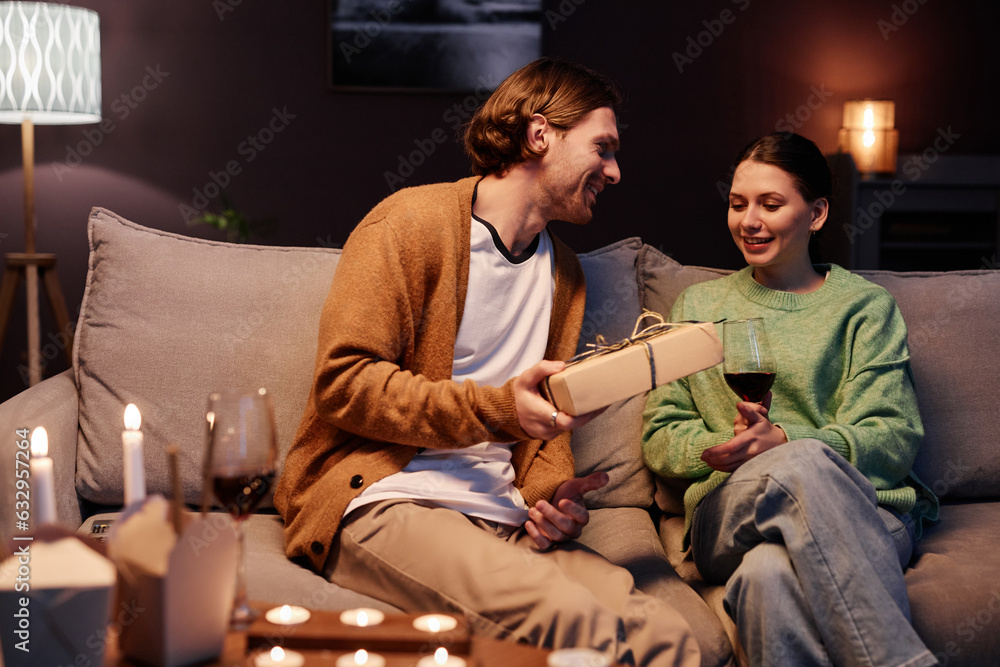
x=813, y=567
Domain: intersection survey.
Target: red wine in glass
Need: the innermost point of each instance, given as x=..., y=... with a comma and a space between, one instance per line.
x=240, y=463
x=750, y=386
x=749, y=367
x=241, y=492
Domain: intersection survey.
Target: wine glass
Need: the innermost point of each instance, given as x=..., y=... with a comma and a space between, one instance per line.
x=749, y=366
x=240, y=464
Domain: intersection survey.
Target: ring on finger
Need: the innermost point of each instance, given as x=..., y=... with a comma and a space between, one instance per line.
x=553, y=418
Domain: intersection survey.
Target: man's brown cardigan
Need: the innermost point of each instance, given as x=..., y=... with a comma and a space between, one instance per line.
x=383, y=386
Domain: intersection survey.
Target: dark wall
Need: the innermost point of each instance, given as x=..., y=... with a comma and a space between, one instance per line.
x=187, y=83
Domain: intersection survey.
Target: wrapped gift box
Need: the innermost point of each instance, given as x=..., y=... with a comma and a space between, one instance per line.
x=633, y=366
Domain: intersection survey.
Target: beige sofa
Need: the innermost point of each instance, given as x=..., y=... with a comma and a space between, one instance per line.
x=166, y=319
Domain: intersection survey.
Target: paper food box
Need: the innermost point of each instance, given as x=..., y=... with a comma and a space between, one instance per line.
x=55, y=598
x=181, y=585
x=611, y=373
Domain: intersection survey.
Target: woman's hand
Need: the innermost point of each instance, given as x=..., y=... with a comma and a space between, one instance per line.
x=753, y=433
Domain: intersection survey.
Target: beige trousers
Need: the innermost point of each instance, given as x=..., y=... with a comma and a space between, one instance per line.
x=422, y=558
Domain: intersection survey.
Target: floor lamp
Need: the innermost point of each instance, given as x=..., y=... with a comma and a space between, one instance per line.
x=50, y=74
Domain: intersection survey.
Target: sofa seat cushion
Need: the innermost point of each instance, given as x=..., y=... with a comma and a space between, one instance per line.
x=272, y=578
x=951, y=319
x=627, y=537
x=167, y=319
x=954, y=585
x=611, y=441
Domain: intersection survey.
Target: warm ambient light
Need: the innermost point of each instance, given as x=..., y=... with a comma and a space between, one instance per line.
x=39, y=443
x=278, y=657
x=287, y=615
x=133, y=420
x=361, y=618
x=361, y=657
x=869, y=136
x=441, y=659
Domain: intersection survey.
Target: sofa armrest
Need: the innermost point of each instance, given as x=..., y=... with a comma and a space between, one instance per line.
x=54, y=404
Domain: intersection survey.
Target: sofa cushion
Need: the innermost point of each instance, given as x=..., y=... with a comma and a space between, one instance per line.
x=164, y=317
x=627, y=537
x=662, y=279
x=271, y=577
x=611, y=441
x=952, y=323
x=954, y=586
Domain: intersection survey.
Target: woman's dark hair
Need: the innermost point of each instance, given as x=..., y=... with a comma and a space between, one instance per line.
x=798, y=157
x=496, y=138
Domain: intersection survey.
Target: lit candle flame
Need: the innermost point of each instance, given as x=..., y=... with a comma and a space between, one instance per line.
x=39, y=442
x=441, y=656
x=285, y=613
x=133, y=420
x=361, y=657
x=277, y=654
x=433, y=624
x=362, y=619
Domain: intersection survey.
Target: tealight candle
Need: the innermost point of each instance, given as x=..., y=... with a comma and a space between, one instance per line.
x=287, y=615
x=441, y=659
x=435, y=623
x=578, y=657
x=42, y=483
x=361, y=657
x=279, y=657
x=361, y=617
x=135, y=475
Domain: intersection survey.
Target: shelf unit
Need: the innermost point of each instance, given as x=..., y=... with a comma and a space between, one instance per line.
x=938, y=212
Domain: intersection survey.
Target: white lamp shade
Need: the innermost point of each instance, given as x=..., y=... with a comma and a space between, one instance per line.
x=50, y=64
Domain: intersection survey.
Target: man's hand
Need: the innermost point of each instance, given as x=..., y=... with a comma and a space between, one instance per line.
x=564, y=518
x=753, y=433
x=534, y=413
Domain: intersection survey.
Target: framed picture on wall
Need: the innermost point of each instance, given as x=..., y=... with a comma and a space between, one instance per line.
x=426, y=45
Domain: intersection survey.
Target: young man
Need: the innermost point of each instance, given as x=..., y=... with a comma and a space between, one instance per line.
x=428, y=471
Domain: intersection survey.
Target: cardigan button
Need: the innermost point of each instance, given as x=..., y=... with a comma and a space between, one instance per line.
x=357, y=482
x=317, y=548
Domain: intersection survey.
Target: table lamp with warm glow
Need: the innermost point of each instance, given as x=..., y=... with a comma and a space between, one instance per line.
x=869, y=136
x=50, y=74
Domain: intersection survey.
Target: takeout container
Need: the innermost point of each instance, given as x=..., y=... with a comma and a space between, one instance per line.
x=55, y=598
x=181, y=586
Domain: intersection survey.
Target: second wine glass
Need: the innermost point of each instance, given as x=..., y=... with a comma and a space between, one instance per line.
x=240, y=466
x=749, y=367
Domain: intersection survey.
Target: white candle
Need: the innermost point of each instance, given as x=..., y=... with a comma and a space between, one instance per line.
x=441, y=659
x=286, y=615
x=578, y=657
x=435, y=623
x=361, y=657
x=135, y=473
x=43, y=491
x=279, y=657
x=361, y=617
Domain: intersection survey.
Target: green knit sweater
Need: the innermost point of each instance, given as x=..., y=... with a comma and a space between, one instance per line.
x=843, y=377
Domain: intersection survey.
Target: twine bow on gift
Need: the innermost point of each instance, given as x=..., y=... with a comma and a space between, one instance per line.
x=602, y=347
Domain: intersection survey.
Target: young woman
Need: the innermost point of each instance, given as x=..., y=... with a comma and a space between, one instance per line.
x=805, y=506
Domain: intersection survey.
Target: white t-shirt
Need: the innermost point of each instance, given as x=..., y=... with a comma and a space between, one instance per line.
x=504, y=331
